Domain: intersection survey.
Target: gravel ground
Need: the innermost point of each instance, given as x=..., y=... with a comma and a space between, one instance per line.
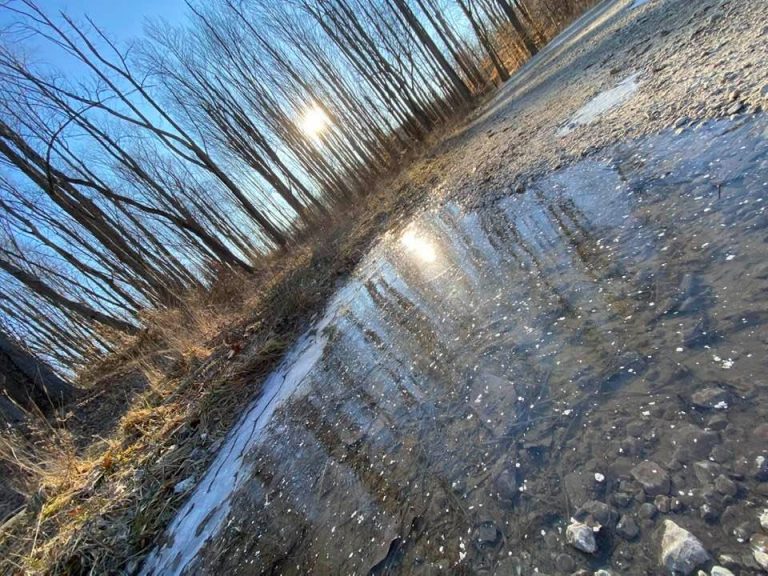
x=693, y=60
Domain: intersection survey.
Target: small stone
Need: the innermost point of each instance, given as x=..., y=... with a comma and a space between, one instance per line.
x=627, y=528
x=596, y=514
x=184, y=485
x=564, y=563
x=733, y=96
x=709, y=513
x=726, y=486
x=603, y=572
x=759, y=543
x=647, y=510
x=710, y=399
x=662, y=503
x=743, y=531
x=486, y=535
x=764, y=519
x=761, y=468
x=682, y=121
x=653, y=478
x=681, y=551
x=718, y=422
x=706, y=471
x=693, y=443
x=761, y=432
x=581, y=537
x=735, y=108
x=728, y=560
x=622, y=499
x=720, y=571
x=764, y=91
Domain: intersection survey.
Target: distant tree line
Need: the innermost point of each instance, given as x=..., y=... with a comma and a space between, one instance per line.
x=129, y=175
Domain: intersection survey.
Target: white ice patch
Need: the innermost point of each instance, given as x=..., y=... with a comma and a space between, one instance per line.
x=206, y=509
x=600, y=104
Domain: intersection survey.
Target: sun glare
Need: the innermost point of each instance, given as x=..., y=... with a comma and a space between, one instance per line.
x=419, y=247
x=314, y=122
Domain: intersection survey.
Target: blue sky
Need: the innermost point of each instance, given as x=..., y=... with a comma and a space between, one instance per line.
x=122, y=19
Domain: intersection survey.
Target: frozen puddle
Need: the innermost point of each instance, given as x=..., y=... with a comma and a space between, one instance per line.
x=486, y=373
x=601, y=104
x=210, y=503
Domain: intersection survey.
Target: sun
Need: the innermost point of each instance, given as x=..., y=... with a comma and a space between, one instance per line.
x=314, y=122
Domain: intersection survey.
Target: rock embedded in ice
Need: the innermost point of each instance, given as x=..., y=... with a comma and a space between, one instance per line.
x=759, y=543
x=726, y=486
x=627, y=528
x=693, y=443
x=184, y=485
x=710, y=399
x=761, y=468
x=652, y=477
x=564, y=563
x=581, y=537
x=647, y=510
x=596, y=514
x=681, y=551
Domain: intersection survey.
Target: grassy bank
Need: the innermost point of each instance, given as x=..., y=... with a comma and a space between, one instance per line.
x=106, y=477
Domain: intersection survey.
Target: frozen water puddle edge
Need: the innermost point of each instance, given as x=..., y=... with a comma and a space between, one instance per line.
x=602, y=103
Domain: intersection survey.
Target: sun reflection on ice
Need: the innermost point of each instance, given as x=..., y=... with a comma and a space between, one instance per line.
x=418, y=246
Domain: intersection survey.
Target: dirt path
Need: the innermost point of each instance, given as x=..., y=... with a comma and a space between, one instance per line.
x=693, y=61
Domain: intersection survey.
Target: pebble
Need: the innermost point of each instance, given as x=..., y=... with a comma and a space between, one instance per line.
x=735, y=108
x=564, y=563
x=627, y=528
x=709, y=513
x=596, y=514
x=759, y=543
x=761, y=468
x=706, y=471
x=681, y=551
x=761, y=432
x=726, y=486
x=581, y=537
x=647, y=510
x=764, y=519
x=718, y=422
x=710, y=399
x=720, y=571
x=486, y=535
x=661, y=503
x=693, y=443
x=184, y=485
x=653, y=478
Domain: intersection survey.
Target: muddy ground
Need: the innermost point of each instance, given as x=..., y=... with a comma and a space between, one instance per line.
x=558, y=367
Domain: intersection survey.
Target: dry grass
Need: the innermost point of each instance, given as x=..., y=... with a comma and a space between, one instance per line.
x=100, y=482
